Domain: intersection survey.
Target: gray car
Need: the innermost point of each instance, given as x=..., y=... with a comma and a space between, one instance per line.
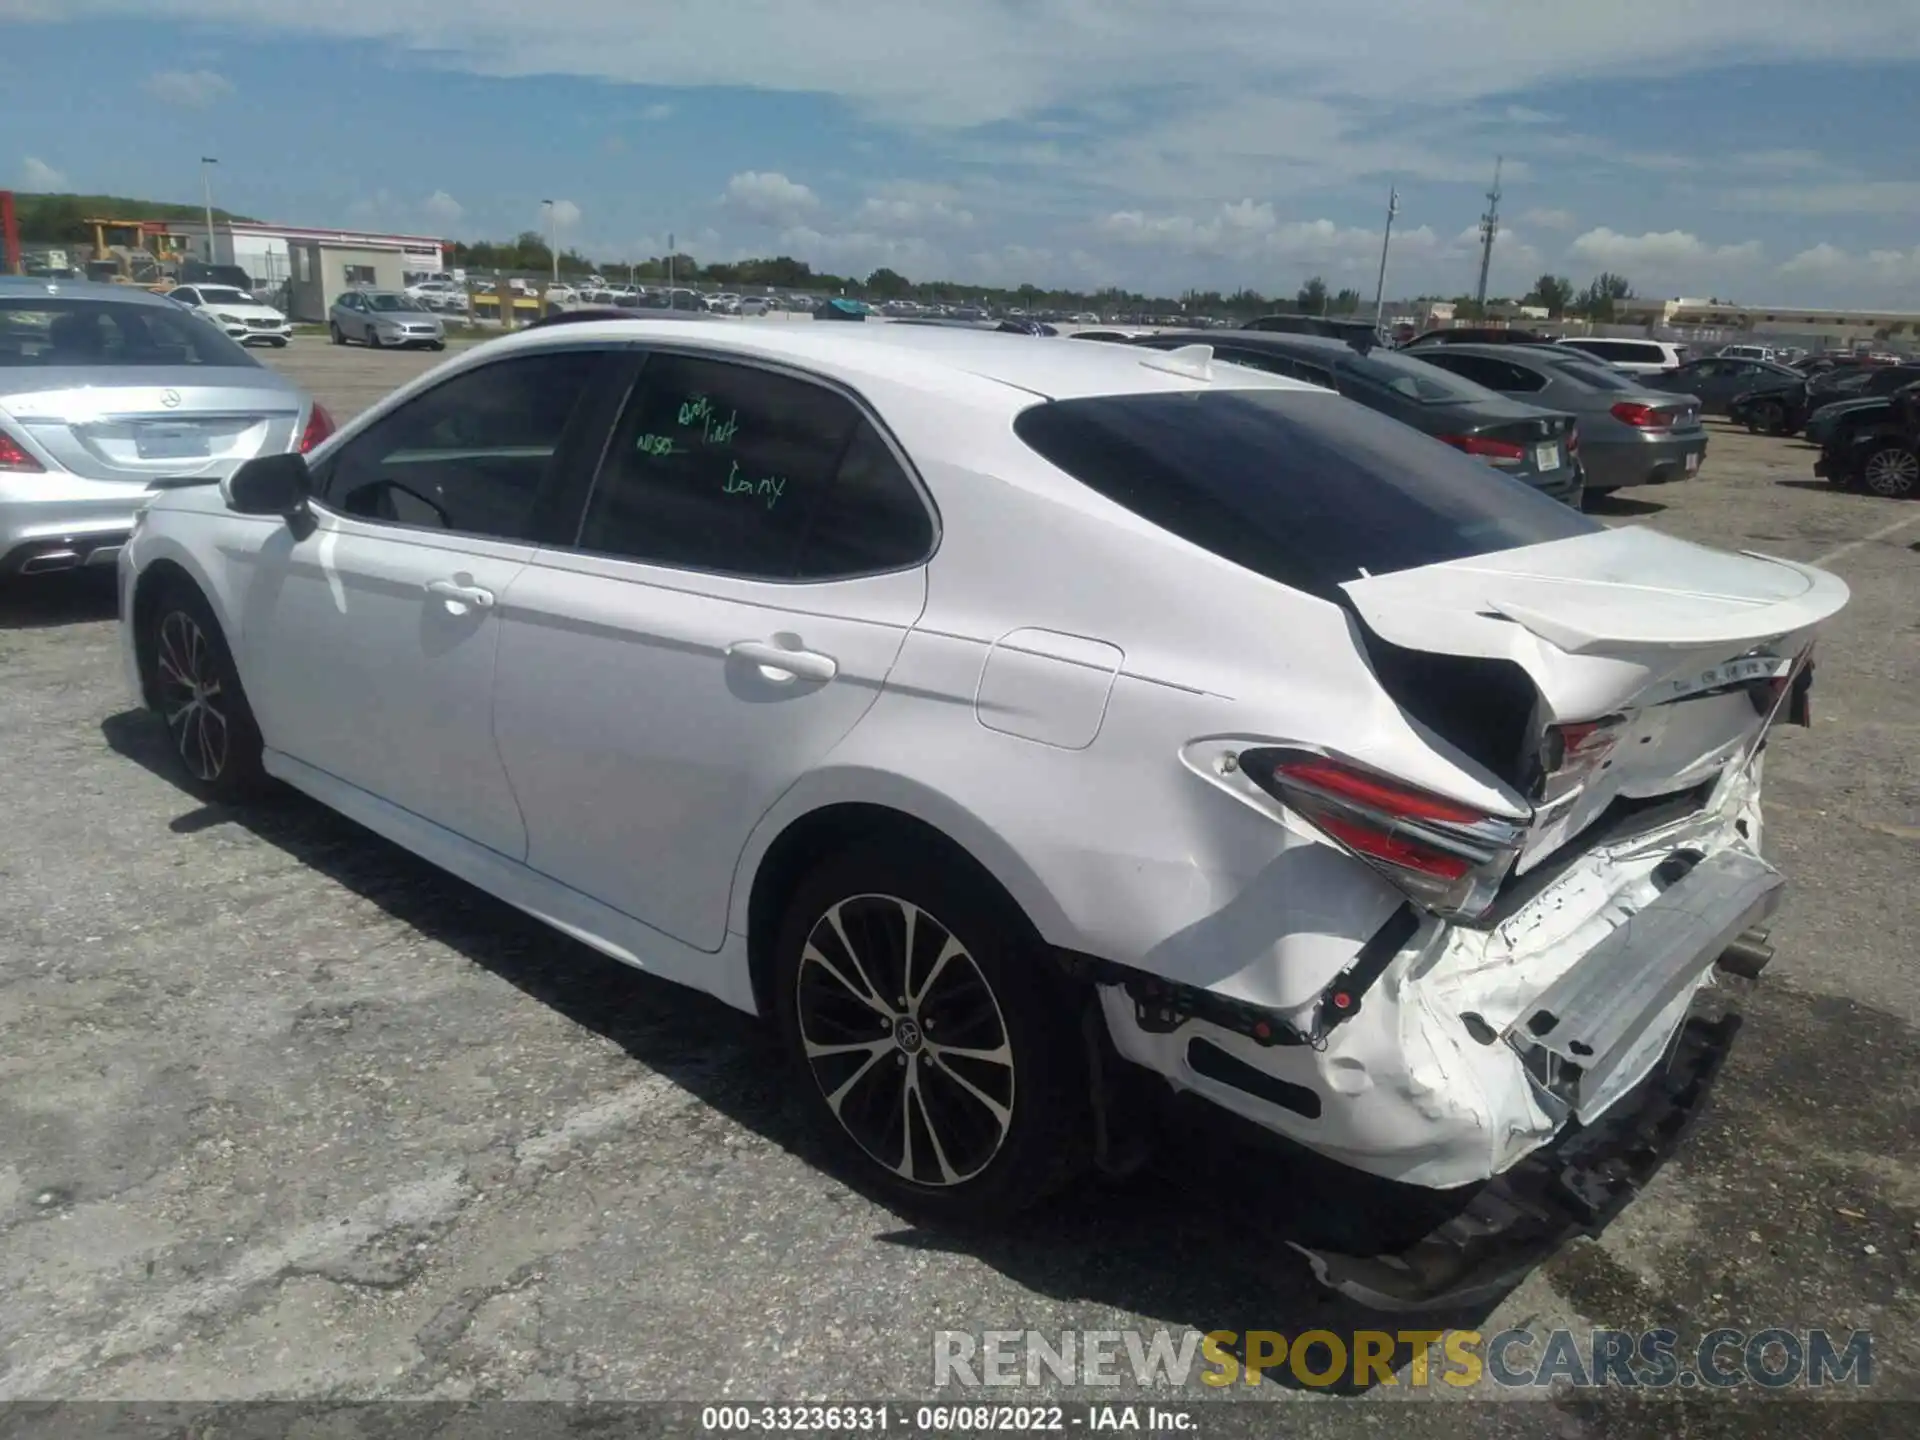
x=109, y=394
x=379, y=318
x=1630, y=433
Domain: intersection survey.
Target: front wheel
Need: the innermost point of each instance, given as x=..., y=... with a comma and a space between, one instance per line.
x=279, y=344
x=373, y=339
x=1892, y=471
x=335, y=334
x=198, y=694
x=1771, y=416
x=438, y=345
x=936, y=1051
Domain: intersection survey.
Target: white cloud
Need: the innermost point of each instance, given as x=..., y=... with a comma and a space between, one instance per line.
x=1549, y=219
x=36, y=174
x=899, y=214
x=855, y=252
x=769, y=198
x=998, y=60
x=656, y=112
x=1844, y=197
x=1883, y=277
x=442, y=207
x=1671, y=262
x=191, y=89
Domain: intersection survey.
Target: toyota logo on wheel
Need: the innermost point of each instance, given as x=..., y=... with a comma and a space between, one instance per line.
x=170, y=399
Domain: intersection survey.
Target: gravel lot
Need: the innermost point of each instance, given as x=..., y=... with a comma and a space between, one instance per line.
x=285, y=1113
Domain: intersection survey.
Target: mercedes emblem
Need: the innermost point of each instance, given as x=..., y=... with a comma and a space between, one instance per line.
x=170, y=399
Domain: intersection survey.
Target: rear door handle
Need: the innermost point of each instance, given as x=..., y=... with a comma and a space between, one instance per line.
x=474, y=595
x=803, y=664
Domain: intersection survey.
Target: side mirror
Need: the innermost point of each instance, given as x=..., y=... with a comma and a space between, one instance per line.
x=269, y=485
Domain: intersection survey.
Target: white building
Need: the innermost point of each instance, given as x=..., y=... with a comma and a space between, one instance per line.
x=263, y=250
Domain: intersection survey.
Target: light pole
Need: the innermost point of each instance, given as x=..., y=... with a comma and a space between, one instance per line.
x=1380, y=289
x=206, y=186
x=669, y=267
x=553, y=244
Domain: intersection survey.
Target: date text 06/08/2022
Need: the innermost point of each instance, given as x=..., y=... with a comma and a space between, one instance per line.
x=942, y=1419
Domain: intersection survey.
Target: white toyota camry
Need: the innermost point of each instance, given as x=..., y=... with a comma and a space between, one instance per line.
x=1008, y=719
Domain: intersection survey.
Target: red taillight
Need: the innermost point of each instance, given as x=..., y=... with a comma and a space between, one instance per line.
x=1371, y=791
x=13, y=457
x=319, y=426
x=1497, y=452
x=1641, y=417
x=1445, y=855
x=1383, y=845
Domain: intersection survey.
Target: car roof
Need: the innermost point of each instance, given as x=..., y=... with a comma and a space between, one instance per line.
x=1327, y=345
x=924, y=356
x=13, y=286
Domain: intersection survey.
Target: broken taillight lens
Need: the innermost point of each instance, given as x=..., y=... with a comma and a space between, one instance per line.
x=1447, y=856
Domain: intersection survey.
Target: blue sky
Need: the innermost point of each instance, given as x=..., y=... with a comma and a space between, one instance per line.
x=1735, y=147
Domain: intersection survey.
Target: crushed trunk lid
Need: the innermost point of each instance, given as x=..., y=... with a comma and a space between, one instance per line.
x=1656, y=662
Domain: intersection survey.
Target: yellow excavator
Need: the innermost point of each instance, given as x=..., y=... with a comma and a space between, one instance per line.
x=135, y=252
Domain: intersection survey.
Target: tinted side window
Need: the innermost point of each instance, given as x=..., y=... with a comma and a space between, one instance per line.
x=470, y=455
x=870, y=519
x=1644, y=354
x=1494, y=374
x=1305, y=489
x=717, y=466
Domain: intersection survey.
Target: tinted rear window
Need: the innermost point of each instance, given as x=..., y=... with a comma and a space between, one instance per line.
x=1594, y=377
x=48, y=330
x=1307, y=489
x=1416, y=380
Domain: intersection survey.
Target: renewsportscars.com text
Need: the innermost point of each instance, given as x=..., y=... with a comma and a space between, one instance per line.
x=1776, y=1358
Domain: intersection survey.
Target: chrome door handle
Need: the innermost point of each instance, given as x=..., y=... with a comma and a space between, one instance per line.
x=453, y=590
x=804, y=664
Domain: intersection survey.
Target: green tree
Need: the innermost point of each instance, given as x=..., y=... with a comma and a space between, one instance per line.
x=1603, y=292
x=1553, y=293
x=1312, y=298
x=886, y=284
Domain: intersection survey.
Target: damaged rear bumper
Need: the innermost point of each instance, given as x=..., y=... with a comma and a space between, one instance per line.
x=1572, y=1187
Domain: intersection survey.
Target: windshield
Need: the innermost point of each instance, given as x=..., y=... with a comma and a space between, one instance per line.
x=223, y=295
x=1414, y=379
x=1300, y=486
x=60, y=331
x=387, y=300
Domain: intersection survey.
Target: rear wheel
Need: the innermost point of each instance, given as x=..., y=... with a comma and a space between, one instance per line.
x=1892, y=470
x=1770, y=416
x=936, y=1052
x=198, y=694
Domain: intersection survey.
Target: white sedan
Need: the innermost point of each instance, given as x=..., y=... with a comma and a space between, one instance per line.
x=236, y=312
x=1012, y=722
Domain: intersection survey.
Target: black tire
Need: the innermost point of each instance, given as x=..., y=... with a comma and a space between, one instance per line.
x=1891, y=470
x=196, y=690
x=1770, y=416
x=373, y=338
x=335, y=334
x=989, y=1135
x=438, y=345
x=279, y=343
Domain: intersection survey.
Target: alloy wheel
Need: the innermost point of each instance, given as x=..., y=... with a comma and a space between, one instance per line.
x=1893, y=472
x=906, y=1040
x=192, y=698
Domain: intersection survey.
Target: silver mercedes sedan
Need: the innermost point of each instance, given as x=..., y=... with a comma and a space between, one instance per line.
x=108, y=394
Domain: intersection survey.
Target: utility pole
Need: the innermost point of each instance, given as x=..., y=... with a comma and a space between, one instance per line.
x=669, y=267
x=553, y=243
x=1380, y=289
x=1489, y=228
x=206, y=186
